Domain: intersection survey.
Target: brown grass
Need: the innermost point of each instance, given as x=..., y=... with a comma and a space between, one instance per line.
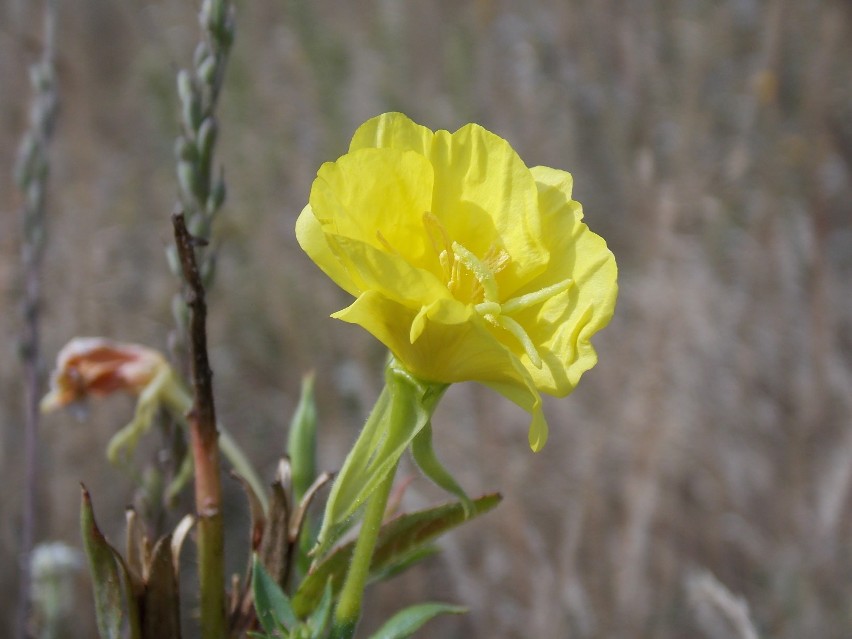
x=710, y=143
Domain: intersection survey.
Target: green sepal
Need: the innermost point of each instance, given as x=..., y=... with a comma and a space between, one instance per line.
x=403, y=409
x=400, y=540
x=272, y=606
x=406, y=622
x=115, y=594
x=302, y=440
x=424, y=455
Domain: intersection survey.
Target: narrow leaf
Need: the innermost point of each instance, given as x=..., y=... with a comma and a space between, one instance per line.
x=115, y=599
x=270, y=603
x=402, y=563
x=406, y=622
x=302, y=440
x=319, y=618
x=398, y=540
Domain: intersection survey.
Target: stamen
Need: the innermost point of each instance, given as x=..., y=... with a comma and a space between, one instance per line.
x=455, y=275
x=446, y=265
x=496, y=259
x=441, y=244
x=531, y=299
x=488, y=308
x=479, y=270
x=438, y=235
x=383, y=241
x=521, y=335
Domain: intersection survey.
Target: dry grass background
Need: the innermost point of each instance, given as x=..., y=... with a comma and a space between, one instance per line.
x=711, y=143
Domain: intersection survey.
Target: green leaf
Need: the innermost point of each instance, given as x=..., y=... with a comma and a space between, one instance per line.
x=403, y=409
x=399, y=540
x=302, y=450
x=270, y=603
x=403, y=562
x=406, y=622
x=114, y=592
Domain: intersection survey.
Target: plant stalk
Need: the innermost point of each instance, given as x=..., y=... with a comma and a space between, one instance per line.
x=205, y=449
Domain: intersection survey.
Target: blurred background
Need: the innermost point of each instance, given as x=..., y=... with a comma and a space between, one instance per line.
x=711, y=144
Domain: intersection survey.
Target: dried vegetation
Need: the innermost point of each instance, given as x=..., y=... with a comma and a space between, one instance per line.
x=711, y=143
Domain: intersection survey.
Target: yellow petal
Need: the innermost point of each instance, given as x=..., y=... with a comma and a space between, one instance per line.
x=392, y=275
x=443, y=311
x=442, y=353
x=314, y=242
x=392, y=131
x=377, y=197
x=485, y=197
x=528, y=398
x=564, y=324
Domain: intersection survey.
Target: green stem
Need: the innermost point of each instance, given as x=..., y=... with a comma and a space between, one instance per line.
x=211, y=570
x=349, y=604
x=402, y=411
x=210, y=536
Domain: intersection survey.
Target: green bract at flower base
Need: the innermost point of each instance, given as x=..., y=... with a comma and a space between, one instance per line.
x=464, y=262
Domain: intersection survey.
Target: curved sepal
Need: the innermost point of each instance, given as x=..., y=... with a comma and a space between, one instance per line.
x=424, y=454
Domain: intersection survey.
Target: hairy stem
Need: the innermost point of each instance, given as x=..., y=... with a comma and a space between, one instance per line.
x=349, y=604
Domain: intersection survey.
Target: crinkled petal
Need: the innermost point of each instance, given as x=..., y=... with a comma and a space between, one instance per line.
x=378, y=196
x=564, y=324
x=484, y=194
x=482, y=184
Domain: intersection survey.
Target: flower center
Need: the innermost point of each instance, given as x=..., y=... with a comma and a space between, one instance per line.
x=470, y=278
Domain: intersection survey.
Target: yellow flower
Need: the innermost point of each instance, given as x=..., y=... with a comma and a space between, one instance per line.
x=464, y=262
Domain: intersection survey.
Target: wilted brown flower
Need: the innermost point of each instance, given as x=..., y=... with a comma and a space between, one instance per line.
x=95, y=366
